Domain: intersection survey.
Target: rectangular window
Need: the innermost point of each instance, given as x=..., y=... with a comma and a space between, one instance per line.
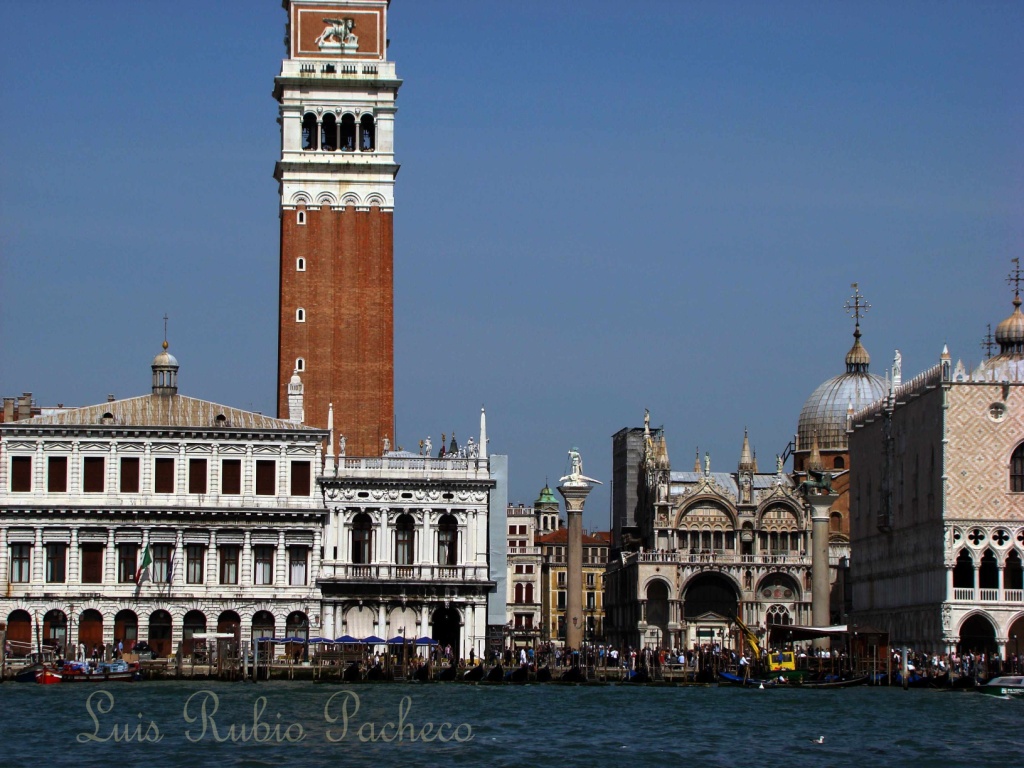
x=21, y=563
x=590, y=580
x=229, y=564
x=57, y=474
x=297, y=558
x=161, y=568
x=94, y=474
x=92, y=563
x=265, y=480
x=231, y=477
x=561, y=578
x=197, y=475
x=561, y=600
x=21, y=474
x=130, y=474
x=511, y=530
x=263, y=565
x=127, y=562
x=163, y=475
x=301, y=478
x=591, y=601
x=56, y=563
x=195, y=555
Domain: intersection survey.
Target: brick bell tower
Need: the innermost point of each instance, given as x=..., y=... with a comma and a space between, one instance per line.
x=336, y=176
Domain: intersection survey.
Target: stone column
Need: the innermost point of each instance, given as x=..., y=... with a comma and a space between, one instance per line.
x=575, y=494
x=820, y=506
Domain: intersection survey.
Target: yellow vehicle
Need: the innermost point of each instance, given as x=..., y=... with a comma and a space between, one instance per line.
x=783, y=664
x=782, y=661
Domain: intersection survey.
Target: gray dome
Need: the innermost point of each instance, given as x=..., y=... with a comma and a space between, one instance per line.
x=824, y=411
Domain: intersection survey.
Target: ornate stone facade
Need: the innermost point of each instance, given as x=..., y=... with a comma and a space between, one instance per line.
x=937, y=501
x=713, y=545
x=406, y=549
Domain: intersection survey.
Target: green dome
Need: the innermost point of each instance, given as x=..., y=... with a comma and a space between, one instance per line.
x=546, y=497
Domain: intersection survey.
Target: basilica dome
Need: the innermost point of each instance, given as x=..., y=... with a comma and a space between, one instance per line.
x=824, y=412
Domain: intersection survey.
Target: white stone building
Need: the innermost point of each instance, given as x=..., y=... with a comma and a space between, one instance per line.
x=223, y=501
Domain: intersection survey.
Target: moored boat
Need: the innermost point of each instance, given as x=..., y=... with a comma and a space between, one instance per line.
x=1009, y=686
x=80, y=672
x=47, y=676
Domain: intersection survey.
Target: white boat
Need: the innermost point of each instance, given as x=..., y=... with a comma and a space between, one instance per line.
x=1004, y=686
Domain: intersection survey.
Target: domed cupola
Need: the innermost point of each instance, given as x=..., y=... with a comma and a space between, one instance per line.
x=823, y=416
x=165, y=373
x=1010, y=332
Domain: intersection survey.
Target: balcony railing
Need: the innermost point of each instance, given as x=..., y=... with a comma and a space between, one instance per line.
x=723, y=558
x=390, y=572
x=987, y=595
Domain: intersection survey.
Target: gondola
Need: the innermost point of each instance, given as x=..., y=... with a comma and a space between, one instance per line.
x=573, y=675
x=448, y=674
x=831, y=681
x=544, y=675
x=729, y=679
x=474, y=674
x=517, y=675
x=496, y=674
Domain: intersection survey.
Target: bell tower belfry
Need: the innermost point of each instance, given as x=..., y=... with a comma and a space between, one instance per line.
x=336, y=178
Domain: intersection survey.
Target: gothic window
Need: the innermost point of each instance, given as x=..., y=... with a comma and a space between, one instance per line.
x=447, y=541
x=404, y=533
x=963, y=571
x=778, y=614
x=361, y=539
x=1017, y=470
x=367, y=134
x=309, y=131
x=348, y=133
x=329, y=133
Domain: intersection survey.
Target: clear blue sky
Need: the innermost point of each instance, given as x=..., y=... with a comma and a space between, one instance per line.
x=602, y=207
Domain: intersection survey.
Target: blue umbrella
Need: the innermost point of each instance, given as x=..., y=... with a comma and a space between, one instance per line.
x=397, y=640
x=320, y=640
x=347, y=639
x=374, y=640
x=426, y=641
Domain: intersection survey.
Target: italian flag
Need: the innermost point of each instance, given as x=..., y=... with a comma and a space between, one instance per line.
x=143, y=572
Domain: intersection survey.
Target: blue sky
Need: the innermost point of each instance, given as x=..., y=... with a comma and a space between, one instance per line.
x=603, y=207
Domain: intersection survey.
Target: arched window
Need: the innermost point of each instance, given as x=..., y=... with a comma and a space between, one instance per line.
x=519, y=593
x=963, y=571
x=309, y=131
x=300, y=265
x=300, y=315
x=840, y=463
x=1017, y=470
x=300, y=218
x=362, y=533
x=367, y=134
x=835, y=522
x=348, y=133
x=529, y=593
x=300, y=364
x=329, y=133
x=447, y=541
x=405, y=533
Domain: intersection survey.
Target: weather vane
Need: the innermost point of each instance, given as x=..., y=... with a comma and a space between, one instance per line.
x=988, y=343
x=856, y=305
x=1014, y=276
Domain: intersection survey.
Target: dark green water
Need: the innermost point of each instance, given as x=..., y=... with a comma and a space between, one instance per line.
x=538, y=725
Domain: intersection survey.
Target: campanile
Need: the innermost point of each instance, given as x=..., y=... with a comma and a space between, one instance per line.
x=336, y=177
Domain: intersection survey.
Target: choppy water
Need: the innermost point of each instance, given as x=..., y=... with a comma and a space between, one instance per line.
x=536, y=725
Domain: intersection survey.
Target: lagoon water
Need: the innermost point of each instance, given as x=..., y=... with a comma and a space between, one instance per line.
x=534, y=725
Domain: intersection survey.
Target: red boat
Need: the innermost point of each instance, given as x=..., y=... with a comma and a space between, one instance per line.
x=47, y=676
